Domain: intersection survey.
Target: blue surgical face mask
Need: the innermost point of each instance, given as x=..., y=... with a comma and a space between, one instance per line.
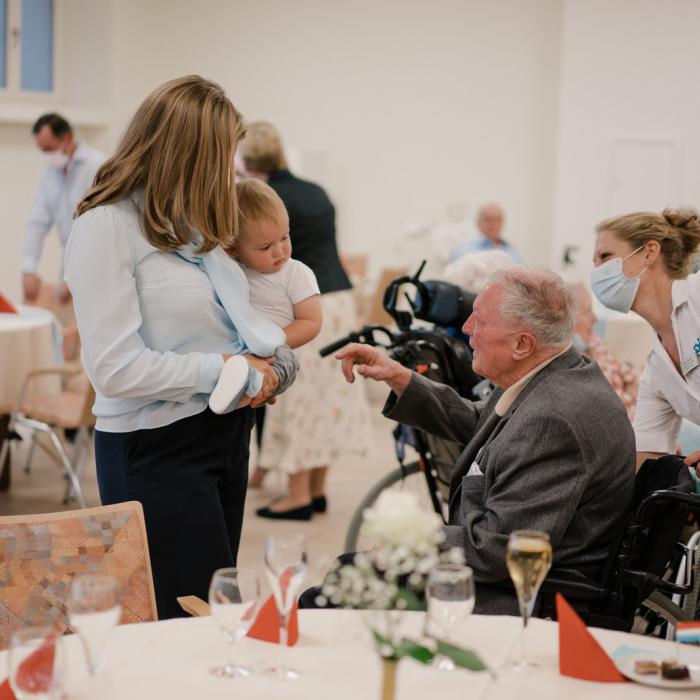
x=612, y=287
x=579, y=343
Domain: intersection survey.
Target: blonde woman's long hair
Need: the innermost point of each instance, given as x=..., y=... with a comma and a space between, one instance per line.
x=179, y=148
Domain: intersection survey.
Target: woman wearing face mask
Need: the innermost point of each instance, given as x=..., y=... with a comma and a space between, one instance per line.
x=642, y=264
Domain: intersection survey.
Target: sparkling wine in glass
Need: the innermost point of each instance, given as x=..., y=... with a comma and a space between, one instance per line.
x=234, y=597
x=450, y=596
x=94, y=610
x=285, y=566
x=30, y=663
x=528, y=557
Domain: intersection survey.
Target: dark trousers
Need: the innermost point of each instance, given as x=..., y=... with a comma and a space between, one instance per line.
x=191, y=478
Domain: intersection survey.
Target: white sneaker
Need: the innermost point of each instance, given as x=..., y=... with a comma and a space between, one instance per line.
x=231, y=385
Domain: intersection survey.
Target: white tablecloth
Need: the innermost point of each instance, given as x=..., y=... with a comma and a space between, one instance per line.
x=171, y=660
x=29, y=340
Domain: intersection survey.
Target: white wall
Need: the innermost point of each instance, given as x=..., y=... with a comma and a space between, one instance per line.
x=628, y=77
x=84, y=87
x=398, y=108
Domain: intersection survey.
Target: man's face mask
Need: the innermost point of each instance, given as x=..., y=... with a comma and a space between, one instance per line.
x=56, y=159
x=612, y=287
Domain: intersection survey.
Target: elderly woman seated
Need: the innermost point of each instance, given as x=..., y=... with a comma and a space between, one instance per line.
x=622, y=377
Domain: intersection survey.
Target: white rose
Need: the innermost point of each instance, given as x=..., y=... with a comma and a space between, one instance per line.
x=398, y=520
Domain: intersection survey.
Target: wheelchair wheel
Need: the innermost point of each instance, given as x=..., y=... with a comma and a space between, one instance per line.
x=410, y=477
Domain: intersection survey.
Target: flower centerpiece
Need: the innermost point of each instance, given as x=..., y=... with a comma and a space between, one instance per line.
x=390, y=579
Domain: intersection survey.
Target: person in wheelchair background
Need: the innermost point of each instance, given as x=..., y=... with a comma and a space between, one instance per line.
x=551, y=449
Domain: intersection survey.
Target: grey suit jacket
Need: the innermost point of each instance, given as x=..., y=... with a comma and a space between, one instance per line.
x=560, y=460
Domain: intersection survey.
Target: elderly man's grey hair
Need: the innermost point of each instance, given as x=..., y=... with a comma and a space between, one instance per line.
x=536, y=299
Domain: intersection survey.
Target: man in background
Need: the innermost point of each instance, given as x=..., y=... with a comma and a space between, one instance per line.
x=69, y=170
x=489, y=223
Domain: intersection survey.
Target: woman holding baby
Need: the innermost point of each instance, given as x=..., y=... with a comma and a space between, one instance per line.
x=160, y=307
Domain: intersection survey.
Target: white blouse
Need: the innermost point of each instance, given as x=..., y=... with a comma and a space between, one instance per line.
x=152, y=328
x=666, y=397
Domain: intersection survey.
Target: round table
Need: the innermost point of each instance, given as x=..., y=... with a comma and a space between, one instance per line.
x=29, y=340
x=337, y=661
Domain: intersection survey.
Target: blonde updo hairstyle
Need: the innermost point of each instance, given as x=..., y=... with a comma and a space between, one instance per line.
x=676, y=230
x=261, y=150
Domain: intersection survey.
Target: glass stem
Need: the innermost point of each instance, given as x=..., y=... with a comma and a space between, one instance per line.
x=284, y=621
x=231, y=661
x=525, y=609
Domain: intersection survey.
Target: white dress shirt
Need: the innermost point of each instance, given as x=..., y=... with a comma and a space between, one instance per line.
x=514, y=390
x=666, y=397
x=151, y=325
x=54, y=203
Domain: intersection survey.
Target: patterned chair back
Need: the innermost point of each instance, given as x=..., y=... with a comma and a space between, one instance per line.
x=40, y=554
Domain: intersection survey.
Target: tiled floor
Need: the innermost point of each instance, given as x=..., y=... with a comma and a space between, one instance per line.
x=41, y=491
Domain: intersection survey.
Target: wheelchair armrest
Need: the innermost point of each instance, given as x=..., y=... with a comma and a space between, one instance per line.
x=572, y=584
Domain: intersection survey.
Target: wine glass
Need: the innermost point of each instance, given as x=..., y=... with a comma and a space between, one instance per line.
x=30, y=663
x=94, y=611
x=528, y=557
x=234, y=596
x=450, y=596
x=285, y=565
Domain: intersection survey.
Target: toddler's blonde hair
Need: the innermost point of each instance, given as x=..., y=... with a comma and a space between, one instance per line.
x=257, y=201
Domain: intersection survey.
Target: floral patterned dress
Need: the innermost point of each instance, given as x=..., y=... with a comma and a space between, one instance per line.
x=320, y=417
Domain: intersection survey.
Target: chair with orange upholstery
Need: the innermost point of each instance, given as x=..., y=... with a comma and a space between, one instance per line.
x=40, y=555
x=69, y=409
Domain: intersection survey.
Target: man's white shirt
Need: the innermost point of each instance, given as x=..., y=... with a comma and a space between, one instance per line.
x=54, y=203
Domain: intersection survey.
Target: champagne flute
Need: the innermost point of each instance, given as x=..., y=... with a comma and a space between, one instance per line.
x=30, y=663
x=94, y=610
x=528, y=558
x=285, y=565
x=450, y=596
x=234, y=596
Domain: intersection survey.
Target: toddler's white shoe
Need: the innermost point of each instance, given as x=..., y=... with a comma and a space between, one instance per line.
x=231, y=386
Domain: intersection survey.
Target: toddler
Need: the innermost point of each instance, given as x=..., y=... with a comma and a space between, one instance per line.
x=283, y=289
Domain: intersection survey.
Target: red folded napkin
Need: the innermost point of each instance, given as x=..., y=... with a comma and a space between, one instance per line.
x=5, y=306
x=267, y=624
x=580, y=655
x=34, y=673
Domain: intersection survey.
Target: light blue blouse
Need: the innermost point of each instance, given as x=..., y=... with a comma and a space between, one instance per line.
x=151, y=325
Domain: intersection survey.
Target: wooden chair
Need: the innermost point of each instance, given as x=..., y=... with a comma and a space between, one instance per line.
x=70, y=409
x=40, y=555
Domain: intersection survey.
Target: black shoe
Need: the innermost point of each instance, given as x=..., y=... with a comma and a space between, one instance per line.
x=301, y=513
x=319, y=504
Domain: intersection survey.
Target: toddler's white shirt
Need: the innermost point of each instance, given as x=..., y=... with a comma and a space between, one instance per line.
x=275, y=293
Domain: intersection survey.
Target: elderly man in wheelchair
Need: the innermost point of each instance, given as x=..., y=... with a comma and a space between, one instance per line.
x=551, y=449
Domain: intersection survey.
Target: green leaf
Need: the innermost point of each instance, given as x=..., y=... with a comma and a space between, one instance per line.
x=465, y=658
x=416, y=651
